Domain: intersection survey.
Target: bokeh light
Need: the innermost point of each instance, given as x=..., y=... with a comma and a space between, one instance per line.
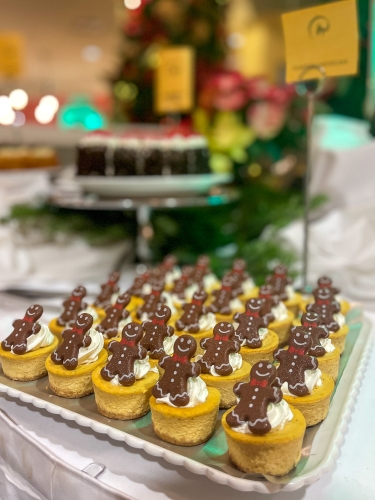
x=91, y=53
x=5, y=106
x=50, y=102
x=18, y=99
x=20, y=119
x=132, y=4
x=8, y=118
x=43, y=114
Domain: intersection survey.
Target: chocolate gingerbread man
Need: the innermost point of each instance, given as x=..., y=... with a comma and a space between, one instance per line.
x=22, y=330
x=182, y=283
x=222, y=297
x=201, y=269
x=155, y=331
x=136, y=289
x=124, y=355
x=239, y=275
x=177, y=370
x=108, y=289
x=218, y=349
x=254, y=398
x=279, y=280
x=114, y=314
x=73, y=339
x=311, y=325
x=151, y=300
x=189, y=321
x=249, y=323
x=269, y=301
x=294, y=361
x=326, y=282
x=326, y=308
x=72, y=307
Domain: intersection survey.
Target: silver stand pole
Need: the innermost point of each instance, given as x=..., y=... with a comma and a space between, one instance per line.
x=310, y=89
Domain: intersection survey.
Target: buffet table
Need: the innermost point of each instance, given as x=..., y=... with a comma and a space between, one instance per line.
x=46, y=457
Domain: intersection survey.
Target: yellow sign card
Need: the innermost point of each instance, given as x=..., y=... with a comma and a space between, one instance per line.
x=325, y=36
x=11, y=47
x=174, y=83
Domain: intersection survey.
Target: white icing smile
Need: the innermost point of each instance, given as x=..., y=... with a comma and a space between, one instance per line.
x=262, y=374
x=183, y=350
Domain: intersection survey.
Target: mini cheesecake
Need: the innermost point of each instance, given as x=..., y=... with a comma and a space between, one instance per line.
x=282, y=328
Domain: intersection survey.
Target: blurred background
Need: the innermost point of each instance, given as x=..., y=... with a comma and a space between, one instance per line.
x=95, y=174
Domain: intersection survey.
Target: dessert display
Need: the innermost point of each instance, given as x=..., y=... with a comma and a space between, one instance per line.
x=328, y=310
x=263, y=432
x=123, y=386
x=224, y=305
x=24, y=352
x=257, y=341
x=72, y=307
x=183, y=409
x=326, y=282
x=221, y=364
x=158, y=338
x=282, y=286
x=116, y=317
x=140, y=152
x=109, y=293
x=71, y=365
x=279, y=318
x=217, y=348
x=304, y=386
x=196, y=319
x=322, y=347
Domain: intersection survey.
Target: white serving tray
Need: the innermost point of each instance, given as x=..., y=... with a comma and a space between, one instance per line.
x=320, y=447
x=151, y=185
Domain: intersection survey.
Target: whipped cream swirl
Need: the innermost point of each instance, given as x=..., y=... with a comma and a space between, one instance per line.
x=280, y=312
x=91, y=353
x=340, y=319
x=289, y=290
x=90, y=310
x=235, y=361
x=207, y=322
x=313, y=378
x=236, y=305
x=278, y=415
x=197, y=392
x=247, y=286
x=141, y=369
x=327, y=344
x=172, y=275
x=43, y=338
x=262, y=332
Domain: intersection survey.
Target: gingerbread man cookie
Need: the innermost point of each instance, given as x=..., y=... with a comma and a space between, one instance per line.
x=22, y=330
x=73, y=339
x=218, y=350
x=108, y=289
x=239, y=275
x=326, y=308
x=72, y=307
x=177, y=370
x=189, y=321
x=222, y=297
x=255, y=396
x=156, y=331
x=326, y=282
x=124, y=355
x=201, y=269
x=269, y=301
x=109, y=325
x=182, y=283
x=151, y=300
x=311, y=325
x=249, y=323
x=294, y=361
x=279, y=280
x=136, y=289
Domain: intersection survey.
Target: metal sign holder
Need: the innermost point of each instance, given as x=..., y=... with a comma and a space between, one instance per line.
x=309, y=89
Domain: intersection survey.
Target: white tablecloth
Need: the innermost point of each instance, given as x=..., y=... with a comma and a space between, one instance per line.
x=45, y=442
